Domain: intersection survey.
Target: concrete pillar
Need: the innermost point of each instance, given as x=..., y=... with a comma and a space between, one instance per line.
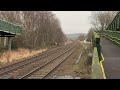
x=5, y=41
x=9, y=43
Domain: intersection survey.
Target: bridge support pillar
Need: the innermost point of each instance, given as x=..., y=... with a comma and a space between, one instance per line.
x=9, y=43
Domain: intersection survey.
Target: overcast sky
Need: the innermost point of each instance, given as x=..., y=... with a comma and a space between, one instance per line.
x=74, y=21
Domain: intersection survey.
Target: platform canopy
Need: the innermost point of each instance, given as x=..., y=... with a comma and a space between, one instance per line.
x=9, y=29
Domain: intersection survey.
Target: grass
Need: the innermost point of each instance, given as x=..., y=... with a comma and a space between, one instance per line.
x=16, y=55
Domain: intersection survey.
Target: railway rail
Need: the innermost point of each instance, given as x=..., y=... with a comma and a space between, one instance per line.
x=27, y=61
x=29, y=68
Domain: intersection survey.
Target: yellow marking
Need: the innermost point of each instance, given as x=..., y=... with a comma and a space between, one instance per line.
x=102, y=68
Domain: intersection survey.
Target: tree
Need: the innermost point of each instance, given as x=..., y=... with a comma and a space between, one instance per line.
x=101, y=19
x=10, y=16
x=89, y=35
x=81, y=37
x=40, y=28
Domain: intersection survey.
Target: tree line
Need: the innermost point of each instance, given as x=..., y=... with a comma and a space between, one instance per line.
x=40, y=29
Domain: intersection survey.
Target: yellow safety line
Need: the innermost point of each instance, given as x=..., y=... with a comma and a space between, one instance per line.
x=102, y=68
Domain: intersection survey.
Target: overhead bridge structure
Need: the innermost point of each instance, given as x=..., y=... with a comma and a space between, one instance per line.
x=9, y=30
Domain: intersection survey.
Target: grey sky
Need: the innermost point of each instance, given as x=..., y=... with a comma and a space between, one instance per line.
x=74, y=21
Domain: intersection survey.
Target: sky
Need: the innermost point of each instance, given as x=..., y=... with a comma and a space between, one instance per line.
x=74, y=21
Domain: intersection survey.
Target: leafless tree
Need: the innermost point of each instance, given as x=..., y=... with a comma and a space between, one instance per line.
x=81, y=37
x=40, y=28
x=89, y=35
x=101, y=19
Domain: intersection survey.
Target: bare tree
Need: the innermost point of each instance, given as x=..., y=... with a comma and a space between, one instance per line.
x=40, y=28
x=81, y=37
x=101, y=19
x=89, y=35
x=10, y=16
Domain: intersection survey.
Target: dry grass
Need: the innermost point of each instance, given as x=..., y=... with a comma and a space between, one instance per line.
x=68, y=67
x=83, y=68
x=8, y=57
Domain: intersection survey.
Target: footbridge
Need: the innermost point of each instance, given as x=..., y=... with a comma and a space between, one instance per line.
x=106, y=51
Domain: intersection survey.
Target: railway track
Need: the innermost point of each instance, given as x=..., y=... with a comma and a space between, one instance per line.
x=16, y=69
x=27, y=61
x=43, y=70
x=7, y=68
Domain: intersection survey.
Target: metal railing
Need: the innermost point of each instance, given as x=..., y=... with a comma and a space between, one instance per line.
x=114, y=36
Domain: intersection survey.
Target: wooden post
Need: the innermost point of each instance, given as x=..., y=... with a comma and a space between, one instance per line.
x=9, y=43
